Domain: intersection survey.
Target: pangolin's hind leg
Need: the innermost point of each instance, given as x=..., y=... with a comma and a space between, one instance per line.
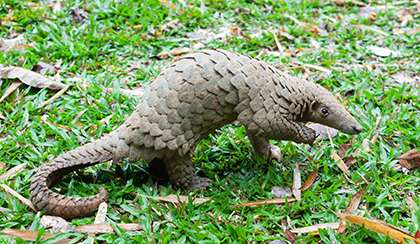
x=263, y=147
x=182, y=174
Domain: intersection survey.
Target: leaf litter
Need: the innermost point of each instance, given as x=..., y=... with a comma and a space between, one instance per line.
x=178, y=198
x=297, y=183
x=13, y=172
x=379, y=227
x=30, y=235
x=347, y=4
x=29, y=77
x=25, y=201
x=410, y=159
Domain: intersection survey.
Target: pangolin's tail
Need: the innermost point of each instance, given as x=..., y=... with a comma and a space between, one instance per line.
x=49, y=174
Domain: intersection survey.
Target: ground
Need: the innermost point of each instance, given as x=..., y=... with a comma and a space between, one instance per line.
x=365, y=53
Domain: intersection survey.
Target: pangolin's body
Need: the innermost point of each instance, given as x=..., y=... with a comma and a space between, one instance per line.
x=187, y=101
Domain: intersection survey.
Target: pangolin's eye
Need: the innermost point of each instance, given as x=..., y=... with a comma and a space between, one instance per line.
x=324, y=111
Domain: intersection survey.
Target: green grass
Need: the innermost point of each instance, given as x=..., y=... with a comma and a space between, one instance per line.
x=100, y=49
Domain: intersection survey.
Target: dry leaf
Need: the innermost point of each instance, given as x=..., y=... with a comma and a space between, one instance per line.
x=321, y=131
x=376, y=134
x=353, y=205
x=315, y=43
x=7, y=44
x=30, y=78
x=393, y=227
x=101, y=213
x=180, y=51
x=349, y=160
x=312, y=27
x=341, y=165
x=9, y=16
x=134, y=27
x=235, y=30
x=377, y=227
x=25, y=201
x=410, y=159
x=95, y=127
x=311, y=179
x=290, y=236
x=276, y=39
x=403, y=77
x=134, y=66
x=365, y=12
x=308, y=229
x=208, y=35
x=404, y=15
x=10, y=89
x=304, y=51
x=106, y=228
x=3, y=46
x=339, y=2
x=372, y=17
x=278, y=242
x=56, y=7
x=297, y=182
x=12, y=172
x=370, y=29
x=171, y=24
x=74, y=121
x=355, y=2
x=320, y=68
x=413, y=32
x=384, y=52
x=7, y=23
x=172, y=6
x=44, y=119
x=365, y=144
x=56, y=224
x=176, y=199
x=44, y=68
x=174, y=52
x=23, y=46
x=281, y=191
x=29, y=235
x=58, y=94
x=267, y=201
x=136, y=92
x=198, y=46
x=306, y=72
x=285, y=34
x=276, y=53
x=100, y=217
x=79, y=15
x=410, y=202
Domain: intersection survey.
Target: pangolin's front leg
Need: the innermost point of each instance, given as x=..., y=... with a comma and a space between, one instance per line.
x=263, y=147
x=182, y=174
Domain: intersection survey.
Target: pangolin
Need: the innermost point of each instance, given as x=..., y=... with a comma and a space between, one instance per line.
x=185, y=103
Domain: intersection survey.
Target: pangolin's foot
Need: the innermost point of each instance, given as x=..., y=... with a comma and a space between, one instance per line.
x=274, y=152
x=271, y=151
x=263, y=147
x=201, y=182
x=182, y=174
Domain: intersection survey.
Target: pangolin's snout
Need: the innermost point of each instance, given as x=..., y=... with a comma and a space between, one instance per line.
x=357, y=128
x=351, y=127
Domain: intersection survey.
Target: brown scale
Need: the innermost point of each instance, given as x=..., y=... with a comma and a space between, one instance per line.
x=187, y=101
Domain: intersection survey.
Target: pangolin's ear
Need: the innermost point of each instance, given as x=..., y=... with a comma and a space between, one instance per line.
x=311, y=106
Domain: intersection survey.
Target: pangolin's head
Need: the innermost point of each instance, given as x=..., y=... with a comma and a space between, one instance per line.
x=327, y=110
